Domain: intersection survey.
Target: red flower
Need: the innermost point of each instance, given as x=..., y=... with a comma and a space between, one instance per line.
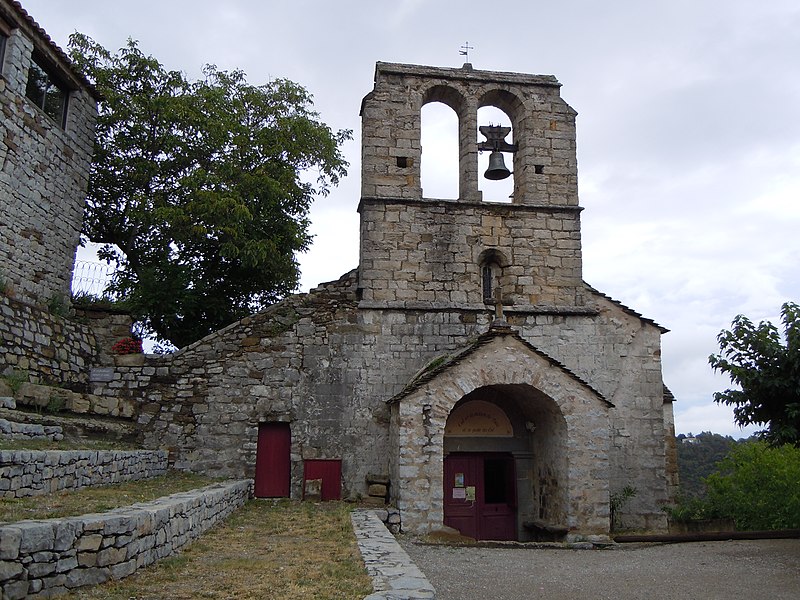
x=128, y=345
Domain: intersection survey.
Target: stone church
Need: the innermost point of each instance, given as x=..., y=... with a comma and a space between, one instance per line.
x=465, y=362
x=464, y=370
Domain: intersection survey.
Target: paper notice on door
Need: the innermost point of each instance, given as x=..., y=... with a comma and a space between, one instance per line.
x=459, y=494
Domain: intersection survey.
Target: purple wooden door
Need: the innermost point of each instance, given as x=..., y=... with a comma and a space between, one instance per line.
x=480, y=495
x=330, y=471
x=273, y=461
x=460, y=489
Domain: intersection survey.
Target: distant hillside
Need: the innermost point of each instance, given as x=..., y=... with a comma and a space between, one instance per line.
x=697, y=457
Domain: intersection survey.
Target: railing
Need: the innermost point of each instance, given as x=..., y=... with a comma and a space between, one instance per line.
x=91, y=278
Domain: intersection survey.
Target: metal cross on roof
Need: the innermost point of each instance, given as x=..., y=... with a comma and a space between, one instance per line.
x=464, y=50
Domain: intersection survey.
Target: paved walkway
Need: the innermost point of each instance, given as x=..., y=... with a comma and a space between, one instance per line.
x=748, y=570
x=394, y=575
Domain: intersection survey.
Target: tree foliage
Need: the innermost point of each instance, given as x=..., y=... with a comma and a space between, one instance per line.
x=205, y=187
x=757, y=486
x=766, y=367
x=698, y=459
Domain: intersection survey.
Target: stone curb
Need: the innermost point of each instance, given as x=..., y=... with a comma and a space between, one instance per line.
x=394, y=575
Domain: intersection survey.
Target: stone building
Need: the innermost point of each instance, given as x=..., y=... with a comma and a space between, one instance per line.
x=464, y=365
x=46, y=142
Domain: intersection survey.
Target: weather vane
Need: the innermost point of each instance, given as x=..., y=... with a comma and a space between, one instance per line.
x=464, y=50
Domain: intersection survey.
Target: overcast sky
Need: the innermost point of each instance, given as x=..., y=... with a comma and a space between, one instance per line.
x=688, y=132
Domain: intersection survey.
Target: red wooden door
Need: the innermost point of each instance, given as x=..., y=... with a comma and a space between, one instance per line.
x=330, y=471
x=460, y=489
x=497, y=510
x=480, y=495
x=273, y=460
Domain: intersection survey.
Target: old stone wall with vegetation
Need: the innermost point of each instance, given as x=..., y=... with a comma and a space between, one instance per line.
x=56, y=348
x=35, y=472
x=53, y=556
x=44, y=168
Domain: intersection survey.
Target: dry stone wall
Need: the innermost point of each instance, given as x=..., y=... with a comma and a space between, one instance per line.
x=43, y=559
x=26, y=473
x=43, y=177
x=55, y=349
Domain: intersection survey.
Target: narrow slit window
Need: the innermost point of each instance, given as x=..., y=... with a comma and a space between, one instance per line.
x=488, y=281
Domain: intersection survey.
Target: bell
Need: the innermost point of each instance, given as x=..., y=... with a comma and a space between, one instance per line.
x=497, y=167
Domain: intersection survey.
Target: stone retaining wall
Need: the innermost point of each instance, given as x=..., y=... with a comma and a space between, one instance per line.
x=34, y=472
x=42, y=559
x=50, y=348
x=29, y=431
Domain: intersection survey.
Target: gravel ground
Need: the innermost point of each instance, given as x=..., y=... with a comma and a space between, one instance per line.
x=747, y=569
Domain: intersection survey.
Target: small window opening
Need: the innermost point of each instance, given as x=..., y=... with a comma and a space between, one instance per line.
x=488, y=273
x=46, y=91
x=403, y=162
x=538, y=169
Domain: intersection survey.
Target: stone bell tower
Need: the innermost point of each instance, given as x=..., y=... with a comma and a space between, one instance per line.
x=424, y=253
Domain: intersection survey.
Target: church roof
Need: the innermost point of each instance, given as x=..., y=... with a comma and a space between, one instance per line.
x=627, y=309
x=443, y=363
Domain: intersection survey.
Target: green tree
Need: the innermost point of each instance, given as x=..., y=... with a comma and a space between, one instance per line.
x=757, y=486
x=698, y=460
x=766, y=366
x=204, y=186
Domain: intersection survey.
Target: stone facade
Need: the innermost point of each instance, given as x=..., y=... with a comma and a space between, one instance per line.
x=45, y=559
x=34, y=472
x=44, y=166
x=370, y=368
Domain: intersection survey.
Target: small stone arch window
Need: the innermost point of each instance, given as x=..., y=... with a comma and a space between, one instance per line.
x=489, y=273
x=491, y=264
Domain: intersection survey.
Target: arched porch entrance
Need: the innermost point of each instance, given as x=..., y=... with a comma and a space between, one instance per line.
x=504, y=463
x=558, y=442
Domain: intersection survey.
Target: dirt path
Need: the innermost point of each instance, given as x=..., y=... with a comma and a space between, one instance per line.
x=768, y=569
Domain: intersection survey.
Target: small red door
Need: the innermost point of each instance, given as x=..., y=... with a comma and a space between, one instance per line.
x=273, y=460
x=330, y=471
x=480, y=495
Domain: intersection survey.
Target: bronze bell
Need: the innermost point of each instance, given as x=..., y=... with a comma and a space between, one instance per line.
x=497, y=167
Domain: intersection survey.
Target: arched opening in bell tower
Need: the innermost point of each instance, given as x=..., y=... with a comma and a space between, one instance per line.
x=501, y=190
x=439, y=162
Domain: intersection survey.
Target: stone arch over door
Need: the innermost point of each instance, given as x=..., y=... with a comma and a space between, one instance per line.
x=533, y=440
x=568, y=486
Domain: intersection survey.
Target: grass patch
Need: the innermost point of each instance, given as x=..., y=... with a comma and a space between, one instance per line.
x=98, y=499
x=267, y=549
x=42, y=444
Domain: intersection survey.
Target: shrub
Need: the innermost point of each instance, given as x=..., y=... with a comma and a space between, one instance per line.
x=757, y=486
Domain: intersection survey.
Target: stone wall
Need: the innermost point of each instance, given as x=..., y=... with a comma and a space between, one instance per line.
x=34, y=472
x=43, y=171
x=57, y=349
x=43, y=559
x=327, y=367
x=429, y=255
